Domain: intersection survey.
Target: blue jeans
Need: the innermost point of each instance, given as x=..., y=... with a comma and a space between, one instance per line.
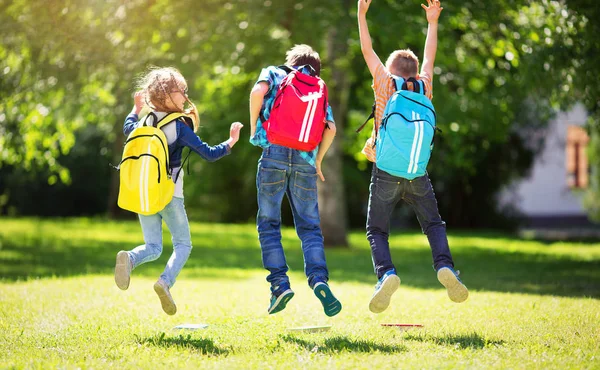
x=177, y=222
x=282, y=171
x=385, y=192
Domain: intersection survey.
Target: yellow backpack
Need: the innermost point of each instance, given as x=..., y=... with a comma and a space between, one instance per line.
x=146, y=185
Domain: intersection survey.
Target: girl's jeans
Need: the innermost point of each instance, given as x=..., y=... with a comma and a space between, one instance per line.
x=385, y=192
x=177, y=222
x=282, y=171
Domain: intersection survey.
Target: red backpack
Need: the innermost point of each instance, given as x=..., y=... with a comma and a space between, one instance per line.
x=297, y=119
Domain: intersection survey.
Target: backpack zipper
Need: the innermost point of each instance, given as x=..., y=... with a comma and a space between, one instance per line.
x=144, y=155
x=432, y=111
x=161, y=143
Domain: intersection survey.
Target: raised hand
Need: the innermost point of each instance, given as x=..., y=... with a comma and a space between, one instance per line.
x=138, y=100
x=433, y=10
x=363, y=6
x=234, y=131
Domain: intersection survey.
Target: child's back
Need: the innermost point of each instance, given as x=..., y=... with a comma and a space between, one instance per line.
x=164, y=90
x=400, y=148
x=285, y=169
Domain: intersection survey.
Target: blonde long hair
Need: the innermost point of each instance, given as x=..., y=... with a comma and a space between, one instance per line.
x=157, y=86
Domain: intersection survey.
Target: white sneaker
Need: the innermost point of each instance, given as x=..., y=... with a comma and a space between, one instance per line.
x=123, y=270
x=386, y=286
x=162, y=290
x=457, y=291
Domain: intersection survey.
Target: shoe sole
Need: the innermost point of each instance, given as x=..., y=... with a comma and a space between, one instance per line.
x=457, y=291
x=166, y=301
x=381, y=299
x=281, y=301
x=331, y=305
x=122, y=271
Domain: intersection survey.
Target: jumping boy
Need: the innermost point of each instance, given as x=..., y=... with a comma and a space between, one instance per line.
x=285, y=170
x=400, y=73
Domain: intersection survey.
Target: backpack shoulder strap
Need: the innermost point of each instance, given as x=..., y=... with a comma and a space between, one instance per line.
x=372, y=115
x=398, y=82
x=286, y=68
x=409, y=84
x=172, y=117
x=154, y=119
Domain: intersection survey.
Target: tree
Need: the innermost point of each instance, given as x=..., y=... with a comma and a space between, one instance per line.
x=72, y=65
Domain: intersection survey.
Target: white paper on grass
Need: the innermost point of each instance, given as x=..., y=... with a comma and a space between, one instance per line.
x=311, y=328
x=191, y=326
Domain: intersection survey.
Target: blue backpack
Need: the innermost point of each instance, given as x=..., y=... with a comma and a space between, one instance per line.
x=405, y=139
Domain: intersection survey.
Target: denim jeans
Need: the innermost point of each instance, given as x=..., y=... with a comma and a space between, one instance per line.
x=282, y=171
x=385, y=192
x=177, y=222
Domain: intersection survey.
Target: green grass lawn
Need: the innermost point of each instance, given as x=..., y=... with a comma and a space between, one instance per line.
x=532, y=304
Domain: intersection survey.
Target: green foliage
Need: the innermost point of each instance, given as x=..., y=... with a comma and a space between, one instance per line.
x=535, y=306
x=502, y=69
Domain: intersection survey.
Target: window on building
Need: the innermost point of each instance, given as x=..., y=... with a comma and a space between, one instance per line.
x=577, y=162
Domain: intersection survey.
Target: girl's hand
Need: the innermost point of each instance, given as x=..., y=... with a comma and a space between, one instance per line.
x=138, y=99
x=234, y=131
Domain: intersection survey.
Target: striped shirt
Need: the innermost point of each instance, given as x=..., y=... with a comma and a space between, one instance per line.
x=383, y=87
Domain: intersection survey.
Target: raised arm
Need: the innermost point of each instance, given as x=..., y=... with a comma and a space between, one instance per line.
x=432, y=12
x=365, y=38
x=133, y=117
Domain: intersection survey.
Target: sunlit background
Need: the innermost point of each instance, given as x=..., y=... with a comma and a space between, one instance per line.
x=516, y=92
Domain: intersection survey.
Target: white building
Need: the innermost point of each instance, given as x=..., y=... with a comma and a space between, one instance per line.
x=549, y=196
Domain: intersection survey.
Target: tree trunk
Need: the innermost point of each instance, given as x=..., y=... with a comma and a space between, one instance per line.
x=332, y=205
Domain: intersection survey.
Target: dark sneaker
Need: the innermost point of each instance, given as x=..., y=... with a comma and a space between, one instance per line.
x=280, y=300
x=386, y=286
x=123, y=270
x=164, y=294
x=331, y=305
x=457, y=291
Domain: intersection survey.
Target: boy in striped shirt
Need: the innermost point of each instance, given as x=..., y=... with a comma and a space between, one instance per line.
x=385, y=189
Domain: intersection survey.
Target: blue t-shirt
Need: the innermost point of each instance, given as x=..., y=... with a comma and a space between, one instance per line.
x=273, y=76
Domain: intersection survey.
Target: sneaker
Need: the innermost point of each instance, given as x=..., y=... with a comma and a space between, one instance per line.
x=386, y=286
x=331, y=305
x=457, y=291
x=280, y=300
x=123, y=270
x=164, y=294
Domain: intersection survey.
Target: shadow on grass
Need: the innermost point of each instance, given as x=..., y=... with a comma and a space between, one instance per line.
x=343, y=344
x=463, y=341
x=34, y=255
x=205, y=346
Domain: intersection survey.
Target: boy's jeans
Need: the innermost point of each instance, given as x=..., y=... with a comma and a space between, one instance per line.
x=385, y=192
x=282, y=171
x=177, y=222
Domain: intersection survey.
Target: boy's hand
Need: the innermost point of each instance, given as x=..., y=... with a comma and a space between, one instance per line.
x=138, y=100
x=318, y=166
x=363, y=6
x=234, y=131
x=433, y=10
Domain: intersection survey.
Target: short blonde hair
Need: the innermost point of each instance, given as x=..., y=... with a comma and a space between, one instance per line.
x=301, y=55
x=158, y=84
x=403, y=63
